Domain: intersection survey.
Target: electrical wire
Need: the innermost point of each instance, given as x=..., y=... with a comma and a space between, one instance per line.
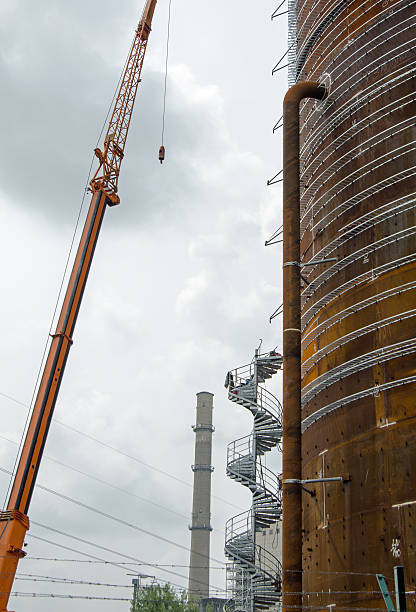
x=119, y=563
x=105, y=482
x=104, y=548
x=60, y=596
x=122, y=522
x=37, y=578
x=53, y=579
x=122, y=453
x=116, y=519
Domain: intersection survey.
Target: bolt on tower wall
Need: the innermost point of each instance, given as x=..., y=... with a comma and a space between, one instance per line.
x=358, y=165
x=201, y=507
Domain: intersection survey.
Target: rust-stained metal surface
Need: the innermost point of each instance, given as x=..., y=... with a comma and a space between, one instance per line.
x=358, y=185
x=292, y=415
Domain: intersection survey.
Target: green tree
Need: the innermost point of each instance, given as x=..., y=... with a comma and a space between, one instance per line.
x=157, y=598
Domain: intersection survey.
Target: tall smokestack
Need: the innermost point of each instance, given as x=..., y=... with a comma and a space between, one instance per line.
x=201, y=507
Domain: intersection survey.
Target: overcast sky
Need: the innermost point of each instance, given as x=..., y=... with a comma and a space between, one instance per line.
x=181, y=286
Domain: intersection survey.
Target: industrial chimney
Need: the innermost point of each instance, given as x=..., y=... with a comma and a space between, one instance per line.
x=201, y=508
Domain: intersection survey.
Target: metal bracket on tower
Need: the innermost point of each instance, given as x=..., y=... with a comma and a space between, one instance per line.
x=315, y=480
x=202, y=427
x=202, y=468
x=318, y=261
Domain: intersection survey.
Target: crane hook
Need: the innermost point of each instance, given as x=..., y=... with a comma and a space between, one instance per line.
x=161, y=154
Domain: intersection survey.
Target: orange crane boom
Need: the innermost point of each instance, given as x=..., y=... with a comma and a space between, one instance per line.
x=14, y=521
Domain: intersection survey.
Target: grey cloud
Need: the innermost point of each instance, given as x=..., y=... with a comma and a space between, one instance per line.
x=57, y=94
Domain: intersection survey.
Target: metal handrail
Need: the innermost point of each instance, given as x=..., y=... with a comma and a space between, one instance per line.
x=316, y=156
x=322, y=202
x=362, y=362
x=331, y=170
x=320, y=50
x=346, y=82
x=318, y=414
x=240, y=448
x=239, y=525
x=240, y=453
x=269, y=482
x=357, y=280
x=251, y=575
x=327, y=349
x=245, y=388
x=315, y=331
x=269, y=564
x=369, y=248
x=367, y=221
x=342, y=113
x=337, y=62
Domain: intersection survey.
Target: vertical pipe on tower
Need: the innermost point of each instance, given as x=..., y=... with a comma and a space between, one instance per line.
x=201, y=507
x=292, y=413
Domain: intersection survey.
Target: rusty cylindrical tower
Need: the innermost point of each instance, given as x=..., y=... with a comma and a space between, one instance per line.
x=358, y=223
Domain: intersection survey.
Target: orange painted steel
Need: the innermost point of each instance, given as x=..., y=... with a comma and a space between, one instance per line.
x=292, y=450
x=14, y=521
x=107, y=174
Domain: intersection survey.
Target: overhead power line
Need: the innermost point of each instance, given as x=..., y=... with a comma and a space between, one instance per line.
x=60, y=596
x=100, y=547
x=105, y=482
x=37, y=578
x=116, y=519
x=120, y=452
x=118, y=562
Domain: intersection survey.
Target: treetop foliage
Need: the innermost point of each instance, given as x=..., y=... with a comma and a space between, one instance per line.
x=157, y=598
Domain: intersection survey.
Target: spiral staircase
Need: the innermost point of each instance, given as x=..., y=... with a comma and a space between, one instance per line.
x=254, y=573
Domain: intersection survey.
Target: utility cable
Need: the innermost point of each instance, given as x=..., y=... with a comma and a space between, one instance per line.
x=36, y=578
x=105, y=482
x=59, y=596
x=116, y=519
x=119, y=562
x=53, y=579
x=104, y=548
x=122, y=453
x=109, y=484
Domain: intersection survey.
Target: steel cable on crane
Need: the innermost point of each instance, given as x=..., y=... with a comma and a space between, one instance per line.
x=166, y=73
x=71, y=248
x=162, y=148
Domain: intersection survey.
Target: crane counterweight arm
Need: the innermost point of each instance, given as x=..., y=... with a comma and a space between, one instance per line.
x=14, y=521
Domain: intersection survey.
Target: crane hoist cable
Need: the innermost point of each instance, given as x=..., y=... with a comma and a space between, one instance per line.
x=61, y=286
x=162, y=148
x=14, y=521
